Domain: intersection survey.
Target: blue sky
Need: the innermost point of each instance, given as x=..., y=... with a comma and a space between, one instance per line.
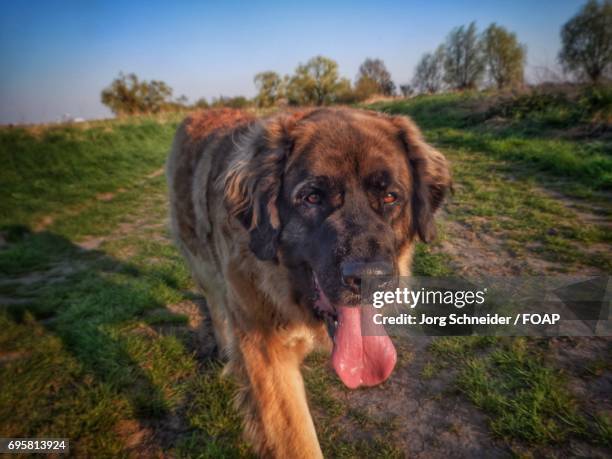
x=56, y=56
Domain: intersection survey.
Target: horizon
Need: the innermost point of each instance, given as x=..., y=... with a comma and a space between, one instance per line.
x=58, y=58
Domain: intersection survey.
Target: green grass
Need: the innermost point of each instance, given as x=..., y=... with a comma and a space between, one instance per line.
x=555, y=107
x=93, y=348
x=498, y=173
x=107, y=350
x=586, y=162
x=464, y=121
x=527, y=399
x=91, y=345
x=47, y=170
x=525, y=220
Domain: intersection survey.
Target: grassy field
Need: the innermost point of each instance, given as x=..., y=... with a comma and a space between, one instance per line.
x=103, y=341
x=563, y=135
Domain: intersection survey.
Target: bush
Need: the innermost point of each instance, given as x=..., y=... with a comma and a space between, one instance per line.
x=231, y=102
x=128, y=95
x=560, y=105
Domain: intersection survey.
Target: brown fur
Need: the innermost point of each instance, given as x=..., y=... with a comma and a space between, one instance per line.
x=225, y=184
x=203, y=123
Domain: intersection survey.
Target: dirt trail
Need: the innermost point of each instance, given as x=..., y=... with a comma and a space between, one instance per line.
x=599, y=213
x=436, y=420
x=432, y=419
x=47, y=220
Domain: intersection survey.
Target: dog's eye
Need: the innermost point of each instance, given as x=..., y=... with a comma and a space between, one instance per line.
x=313, y=198
x=390, y=198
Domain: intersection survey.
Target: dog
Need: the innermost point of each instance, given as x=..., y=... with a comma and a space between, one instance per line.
x=280, y=219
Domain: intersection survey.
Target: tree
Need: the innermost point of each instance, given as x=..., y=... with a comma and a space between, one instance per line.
x=127, y=95
x=586, y=39
x=122, y=95
x=201, y=103
x=314, y=83
x=504, y=56
x=463, y=62
x=365, y=88
x=270, y=88
x=155, y=94
x=375, y=70
x=429, y=72
x=231, y=102
x=345, y=94
x=406, y=90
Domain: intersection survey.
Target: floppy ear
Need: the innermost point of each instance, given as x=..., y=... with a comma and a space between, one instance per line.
x=431, y=177
x=254, y=180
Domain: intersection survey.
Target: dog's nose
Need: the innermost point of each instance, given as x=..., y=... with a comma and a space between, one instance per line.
x=354, y=271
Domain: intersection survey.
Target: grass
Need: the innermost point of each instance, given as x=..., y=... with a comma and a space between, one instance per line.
x=501, y=175
x=504, y=173
x=90, y=346
x=49, y=170
x=94, y=347
x=528, y=135
x=526, y=220
x=526, y=397
x=91, y=351
x=98, y=348
x=528, y=400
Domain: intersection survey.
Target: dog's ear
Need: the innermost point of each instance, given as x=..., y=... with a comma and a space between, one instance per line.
x=431, y=177
x=254, y=181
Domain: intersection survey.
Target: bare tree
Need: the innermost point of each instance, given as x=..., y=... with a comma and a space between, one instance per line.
x=463, y=63
x=365, y=88
x=375, y=70
x=587, y=42
x=429, y=72
x=406, y=90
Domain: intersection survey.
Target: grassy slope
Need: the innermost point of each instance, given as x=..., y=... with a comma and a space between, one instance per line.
x=525, y=130
x=46, y=170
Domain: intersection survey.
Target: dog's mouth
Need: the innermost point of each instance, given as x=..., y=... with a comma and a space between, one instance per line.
x=358, y=358
x=323, y=307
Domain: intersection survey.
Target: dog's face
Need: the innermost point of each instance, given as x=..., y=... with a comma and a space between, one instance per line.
x=342, y=194
x=344, y=206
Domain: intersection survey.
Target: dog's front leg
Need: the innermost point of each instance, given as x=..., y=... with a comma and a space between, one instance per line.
x=277, y=418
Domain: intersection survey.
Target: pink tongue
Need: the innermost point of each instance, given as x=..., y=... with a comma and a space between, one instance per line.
x=357, y=359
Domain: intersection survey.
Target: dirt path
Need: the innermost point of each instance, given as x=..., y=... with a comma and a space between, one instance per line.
x=435, y=419
x=430, y=417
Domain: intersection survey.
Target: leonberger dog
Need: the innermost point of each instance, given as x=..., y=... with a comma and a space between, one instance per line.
x=280, y=219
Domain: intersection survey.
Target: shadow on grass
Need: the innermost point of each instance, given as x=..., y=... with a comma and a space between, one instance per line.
x=96, y=306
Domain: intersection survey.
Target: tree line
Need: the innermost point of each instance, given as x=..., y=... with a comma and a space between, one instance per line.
x=317, y=82
x=467, y=60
